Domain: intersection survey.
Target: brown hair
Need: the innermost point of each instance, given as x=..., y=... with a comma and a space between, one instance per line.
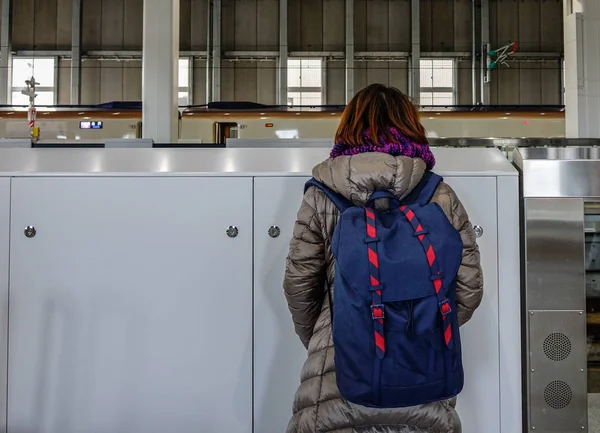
x=378, y=107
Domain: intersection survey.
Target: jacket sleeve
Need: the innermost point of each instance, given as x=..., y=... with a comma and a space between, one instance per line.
x=304, y=279
x=469, y=288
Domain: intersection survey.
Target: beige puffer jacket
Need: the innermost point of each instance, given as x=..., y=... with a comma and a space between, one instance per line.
x=318, y=406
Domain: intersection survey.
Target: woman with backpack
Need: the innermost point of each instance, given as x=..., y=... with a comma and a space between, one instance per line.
x=382, y=270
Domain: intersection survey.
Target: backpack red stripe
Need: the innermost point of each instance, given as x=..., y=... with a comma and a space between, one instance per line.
x=373, y=258
x=430, y=253
x=374, y=281
x=448, y=334
x=371, y=232
x=379, y=341
x=370, y=214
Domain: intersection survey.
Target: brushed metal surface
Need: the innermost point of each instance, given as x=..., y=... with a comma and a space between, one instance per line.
x=510, y=143
x=559, y=172
x=218, y=162
x=554, y=249
x=557, y=371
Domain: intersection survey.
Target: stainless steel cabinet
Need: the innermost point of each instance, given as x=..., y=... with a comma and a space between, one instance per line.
x=130, y=307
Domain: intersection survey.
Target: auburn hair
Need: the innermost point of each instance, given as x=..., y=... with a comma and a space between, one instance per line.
x=378, y=108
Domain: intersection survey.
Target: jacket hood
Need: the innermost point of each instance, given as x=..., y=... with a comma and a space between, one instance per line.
x=357, y=177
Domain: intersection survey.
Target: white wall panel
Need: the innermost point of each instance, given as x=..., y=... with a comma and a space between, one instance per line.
x=91, y=25
x=536, y=25
x=248, y=81
x=333, y=25
x=64, y=82
x=133, y=24
x=63, y=24
x=387, y=73
x=399, y=31
x=22, y=24
x=90, y=82
x=111, y=24
x=110, y=80
x=336, y=83
x=132, y=81
x=528, y=83
x=199, y=81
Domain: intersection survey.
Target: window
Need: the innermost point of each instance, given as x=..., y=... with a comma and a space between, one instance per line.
x=437, y=82
x=305, y=82
x=184, y=81
x=42, y=69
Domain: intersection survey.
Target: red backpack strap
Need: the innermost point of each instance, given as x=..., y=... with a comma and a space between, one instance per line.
x=377, y=308
x=436, y=273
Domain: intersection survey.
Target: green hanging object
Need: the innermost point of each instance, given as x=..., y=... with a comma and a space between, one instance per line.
x=493, y=65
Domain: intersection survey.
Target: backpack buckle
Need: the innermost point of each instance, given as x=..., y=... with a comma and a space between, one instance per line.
x=377, y=311
x=445, y=307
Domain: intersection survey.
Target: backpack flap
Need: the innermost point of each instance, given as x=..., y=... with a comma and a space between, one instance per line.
x=403, y=263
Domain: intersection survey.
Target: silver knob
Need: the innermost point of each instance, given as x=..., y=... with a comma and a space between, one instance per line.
x=30, y=231
x=478, y=231
x=274, y=231
x=232, y=231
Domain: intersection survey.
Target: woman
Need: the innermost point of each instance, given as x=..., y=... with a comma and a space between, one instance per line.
x=380, y=144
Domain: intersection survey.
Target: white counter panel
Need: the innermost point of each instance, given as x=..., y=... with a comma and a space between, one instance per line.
x=131, y=309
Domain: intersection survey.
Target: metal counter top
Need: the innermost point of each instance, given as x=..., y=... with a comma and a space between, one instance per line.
x=559, y=172
x=218, y=162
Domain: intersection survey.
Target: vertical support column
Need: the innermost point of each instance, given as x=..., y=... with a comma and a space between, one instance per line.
x=209, y=20
x=349, y=50
x=5, y=53
x=324, y=67
x=216, y=46
x=582, y=69
x=159, y=70
x=282, y=68
x=485, y=46
x=76, y=53
x=415, y=57
x=190, y=83
x=473, y=53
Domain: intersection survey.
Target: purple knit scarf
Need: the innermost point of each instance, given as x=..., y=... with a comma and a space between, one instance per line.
x=400, y=146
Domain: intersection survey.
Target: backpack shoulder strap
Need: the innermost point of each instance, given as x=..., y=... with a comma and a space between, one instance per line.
x=338, y=200
x=424, y=191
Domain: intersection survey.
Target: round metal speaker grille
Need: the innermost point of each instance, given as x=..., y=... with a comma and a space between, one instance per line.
x=558, y=394
x=557, y=346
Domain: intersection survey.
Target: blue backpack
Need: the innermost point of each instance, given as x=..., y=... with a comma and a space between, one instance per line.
x=395, y=327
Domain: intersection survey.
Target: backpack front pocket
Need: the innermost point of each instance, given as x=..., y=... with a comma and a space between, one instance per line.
x=425, y=316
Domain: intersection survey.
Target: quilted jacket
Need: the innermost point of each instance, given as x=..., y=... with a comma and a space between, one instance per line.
x=318, y=406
